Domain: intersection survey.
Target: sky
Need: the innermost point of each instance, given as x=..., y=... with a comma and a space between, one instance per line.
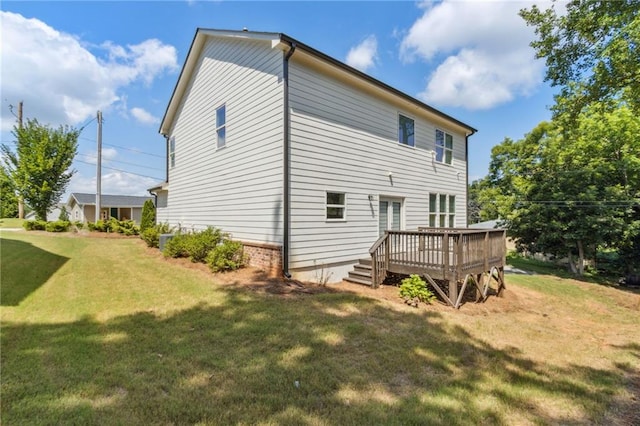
x=67, y=60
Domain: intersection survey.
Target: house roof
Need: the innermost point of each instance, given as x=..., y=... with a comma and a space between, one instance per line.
x=109, y=200
x=489, y=224
x=283, y=41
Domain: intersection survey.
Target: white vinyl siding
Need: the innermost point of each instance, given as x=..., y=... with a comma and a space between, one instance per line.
x=238, y=188
x=346, y=138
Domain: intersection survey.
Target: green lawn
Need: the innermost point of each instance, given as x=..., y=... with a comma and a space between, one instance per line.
x=11, y=223
x=99, y=331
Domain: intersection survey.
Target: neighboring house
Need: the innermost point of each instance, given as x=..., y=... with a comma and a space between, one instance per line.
x=304, y=159
x=52, y=215
x=82, y=207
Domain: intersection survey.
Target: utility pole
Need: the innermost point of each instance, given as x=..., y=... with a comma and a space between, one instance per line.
x=99, y=168
x=20, y=200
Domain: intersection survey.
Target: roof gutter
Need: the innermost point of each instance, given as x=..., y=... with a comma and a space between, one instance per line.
x=286, y=165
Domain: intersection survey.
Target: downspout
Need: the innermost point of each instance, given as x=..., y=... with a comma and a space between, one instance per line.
x=166, y=158
x=286, y=166
x=466, y=186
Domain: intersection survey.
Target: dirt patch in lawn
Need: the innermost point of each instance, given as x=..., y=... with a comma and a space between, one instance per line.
x=256, y=280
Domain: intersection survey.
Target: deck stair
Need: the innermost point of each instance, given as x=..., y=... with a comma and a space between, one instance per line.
x=361, y=273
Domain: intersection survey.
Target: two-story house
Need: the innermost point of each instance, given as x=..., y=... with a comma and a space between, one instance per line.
x=303, y=158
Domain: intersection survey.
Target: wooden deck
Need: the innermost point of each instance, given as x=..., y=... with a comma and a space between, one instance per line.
x=453, y=256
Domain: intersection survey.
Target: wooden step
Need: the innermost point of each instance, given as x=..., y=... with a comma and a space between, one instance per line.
x=361, y=273
x=359, y=281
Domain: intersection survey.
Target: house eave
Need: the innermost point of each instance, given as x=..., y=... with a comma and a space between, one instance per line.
x=284, y=42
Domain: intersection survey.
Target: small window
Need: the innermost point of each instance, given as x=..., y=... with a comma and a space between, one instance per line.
x=221, y=126
x=406, y=130
x=444, y=147
x=336, y=206
x=172, y=152
x=442, y=210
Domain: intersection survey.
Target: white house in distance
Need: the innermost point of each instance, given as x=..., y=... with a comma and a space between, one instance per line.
x=303, y=158
x=82, y=207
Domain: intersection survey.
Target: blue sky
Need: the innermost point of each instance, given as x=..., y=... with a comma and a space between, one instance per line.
x=66, y=60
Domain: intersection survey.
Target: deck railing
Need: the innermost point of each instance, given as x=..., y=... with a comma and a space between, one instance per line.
x=444, y=253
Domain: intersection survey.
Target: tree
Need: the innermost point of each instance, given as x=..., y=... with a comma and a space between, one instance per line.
x=482, y=201
x=568, y=192
x=148, y=216
x=592, y=51
x=40, y=166
x=8, y=197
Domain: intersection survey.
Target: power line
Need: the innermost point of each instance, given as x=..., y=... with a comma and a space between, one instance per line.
x=123, y=171
x=135, y=150
x=122, y=162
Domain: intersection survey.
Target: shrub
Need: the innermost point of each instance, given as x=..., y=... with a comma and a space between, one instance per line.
x=194, y=245
x=126, y=227
x=199, y=244
x=78, y=224
x=34, y=225
x=148, y=216
x=176, y=246
x=227, y=256
x=151, y=236
x=415, y=287
x=58, y=226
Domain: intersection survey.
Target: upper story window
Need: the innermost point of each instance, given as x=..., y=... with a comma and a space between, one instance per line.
x=336, y=206
x=221, y=125
x=444, y=147
x=442, y=210
x=172, y=152
x=406, y=130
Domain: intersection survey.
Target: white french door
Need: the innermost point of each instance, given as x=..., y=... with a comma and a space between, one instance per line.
x=389, y=214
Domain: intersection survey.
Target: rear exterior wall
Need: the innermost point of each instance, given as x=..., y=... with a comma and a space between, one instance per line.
x=345, y=139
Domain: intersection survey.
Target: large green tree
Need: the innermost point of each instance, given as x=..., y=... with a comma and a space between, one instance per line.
x=8, y=195
x=568, y=192
x=40, y=166
x=592, y=51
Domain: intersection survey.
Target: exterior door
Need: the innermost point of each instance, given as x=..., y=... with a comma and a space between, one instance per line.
x=390, y=214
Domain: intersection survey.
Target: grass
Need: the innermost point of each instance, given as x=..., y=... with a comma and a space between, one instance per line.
x=97, y=331
x=11, y=223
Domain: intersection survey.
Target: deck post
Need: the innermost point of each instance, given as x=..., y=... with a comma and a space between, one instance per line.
x=455, y=276
x=444, y=246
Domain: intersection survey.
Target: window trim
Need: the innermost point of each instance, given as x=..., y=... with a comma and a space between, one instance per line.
x=435, y=215
x=401, y=114
x=342, y=206
x=172, y=152
x=221, y=127
x=444, y=147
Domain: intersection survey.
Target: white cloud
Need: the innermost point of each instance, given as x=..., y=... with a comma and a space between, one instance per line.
x=108, y=154
x=144, y=116
x=61, y=81
x=112, y=183
x=483, y=52
x=364, y=55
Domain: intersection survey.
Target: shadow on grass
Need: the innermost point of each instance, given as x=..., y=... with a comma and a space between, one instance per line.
x=24, y=268
x=321, y=359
